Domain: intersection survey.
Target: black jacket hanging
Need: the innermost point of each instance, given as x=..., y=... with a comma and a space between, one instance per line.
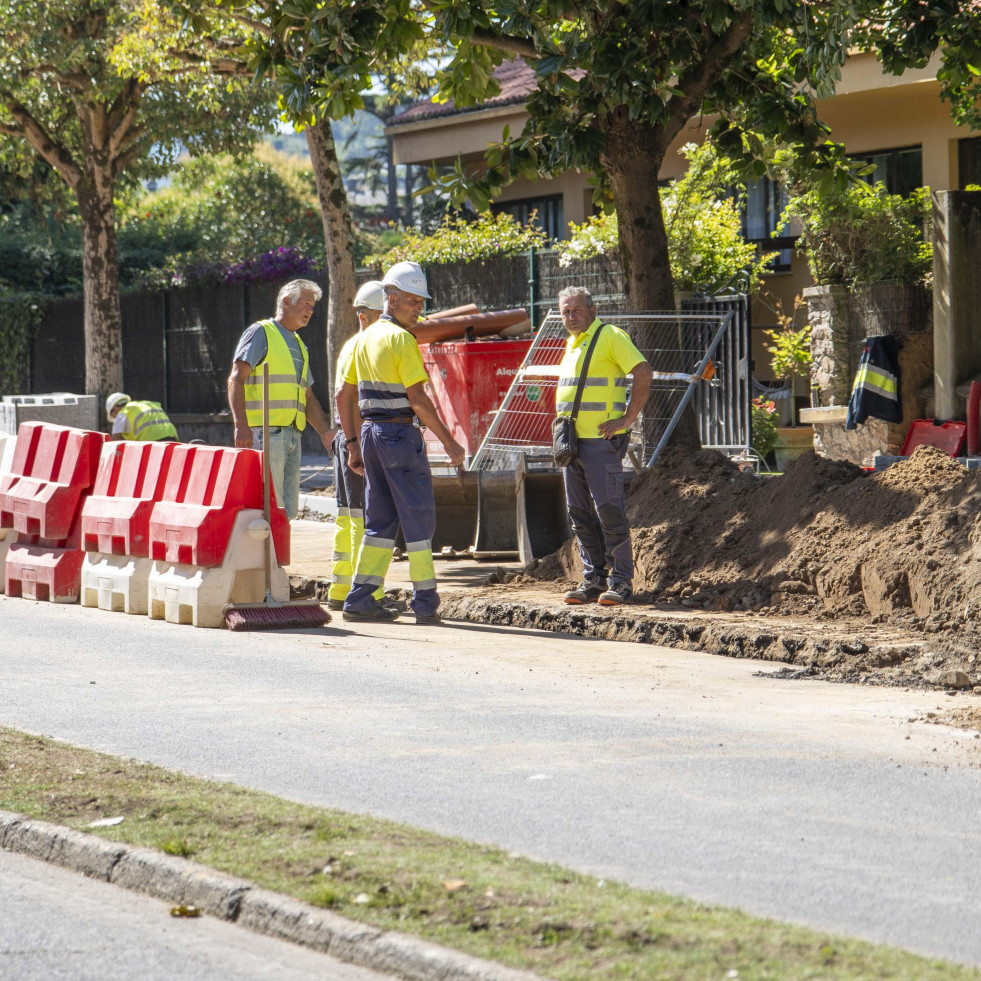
x=876, y=388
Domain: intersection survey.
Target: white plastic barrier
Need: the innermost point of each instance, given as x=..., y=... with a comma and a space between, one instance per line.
x=193, y=594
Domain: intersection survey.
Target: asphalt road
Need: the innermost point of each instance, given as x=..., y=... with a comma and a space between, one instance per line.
x=57, y=924
x=821, y=804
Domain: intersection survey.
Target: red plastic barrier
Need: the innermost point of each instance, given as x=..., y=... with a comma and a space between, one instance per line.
x=53, y=468
x=946, y=436
x=131, y=479
x=206, y=487
x=42, y=572
x=973, y=408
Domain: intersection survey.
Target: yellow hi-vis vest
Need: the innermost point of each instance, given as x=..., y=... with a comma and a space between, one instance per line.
x=147, y=421
x=287, y=396
x=604, y=395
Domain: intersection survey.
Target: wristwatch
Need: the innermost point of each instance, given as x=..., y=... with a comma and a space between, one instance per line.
x=353, y=439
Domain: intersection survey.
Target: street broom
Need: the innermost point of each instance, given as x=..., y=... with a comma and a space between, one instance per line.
x=270, y=614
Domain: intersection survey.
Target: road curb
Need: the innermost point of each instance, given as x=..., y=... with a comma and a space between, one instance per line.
x=181, y=882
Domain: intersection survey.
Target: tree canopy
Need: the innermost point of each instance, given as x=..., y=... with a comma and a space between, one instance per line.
x=82, y=86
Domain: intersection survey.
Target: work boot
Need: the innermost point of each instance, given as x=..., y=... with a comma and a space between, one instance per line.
x=429, y=619
x=335, y=604
x=616, y=595
x=375, y=614
x=585, y=592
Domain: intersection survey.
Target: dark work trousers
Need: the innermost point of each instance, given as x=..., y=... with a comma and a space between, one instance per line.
x=349, y=524
x=398, y=490
x=597, y=511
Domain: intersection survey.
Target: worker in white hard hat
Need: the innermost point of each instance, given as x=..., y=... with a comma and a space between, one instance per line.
x=292, y=402
x=369, y=302
x=384, y=394
x=140, y=420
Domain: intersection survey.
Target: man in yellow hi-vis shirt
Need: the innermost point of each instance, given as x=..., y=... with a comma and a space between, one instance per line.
x=594, y=481
x=385, y=387
x=292, y=402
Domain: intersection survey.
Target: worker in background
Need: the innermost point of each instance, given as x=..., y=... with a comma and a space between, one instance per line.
x=292, y=402
x=385, y=387
x=594, y=481
x=369, y=302
x=142, y=420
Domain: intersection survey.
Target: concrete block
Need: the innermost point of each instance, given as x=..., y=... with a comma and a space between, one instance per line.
x=116, y=583
x=58, y=408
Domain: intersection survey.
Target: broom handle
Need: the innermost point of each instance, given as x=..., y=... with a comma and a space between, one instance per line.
x=266, y=476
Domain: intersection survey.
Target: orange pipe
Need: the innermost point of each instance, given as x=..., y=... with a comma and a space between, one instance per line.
x=453, y=312
x=431, y=331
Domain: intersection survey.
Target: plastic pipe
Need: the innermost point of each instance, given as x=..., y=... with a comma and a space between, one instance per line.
x=430, y=331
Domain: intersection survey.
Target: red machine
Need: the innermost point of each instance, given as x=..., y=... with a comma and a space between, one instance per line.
x=469, y=380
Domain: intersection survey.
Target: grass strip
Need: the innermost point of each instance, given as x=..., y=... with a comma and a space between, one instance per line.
x=474, y=898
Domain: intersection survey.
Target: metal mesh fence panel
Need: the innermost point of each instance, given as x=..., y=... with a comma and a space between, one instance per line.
x=602, y=275
x=885, y=308
x=203, y=325
x=145, y=346
x=676, y=346
x=723, y=407
x=58, y=348
x=494, y=284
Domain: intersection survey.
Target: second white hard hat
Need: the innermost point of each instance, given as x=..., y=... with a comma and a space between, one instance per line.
x=371, y=295
x=409, y=277
x=117, y=398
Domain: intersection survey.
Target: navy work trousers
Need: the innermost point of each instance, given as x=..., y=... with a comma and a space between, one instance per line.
x=597, y=511
x=398, y=490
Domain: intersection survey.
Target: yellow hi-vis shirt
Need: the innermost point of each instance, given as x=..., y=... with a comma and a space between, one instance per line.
x=147, y=421
x=605, y=393
x=386, y=362
x=287, y=393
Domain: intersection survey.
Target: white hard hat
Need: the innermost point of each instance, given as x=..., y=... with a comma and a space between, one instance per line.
x=117, y=398
x=371, y=295
x=409, y=277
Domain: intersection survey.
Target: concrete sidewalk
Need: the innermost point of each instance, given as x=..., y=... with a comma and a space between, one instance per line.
x=312, y=544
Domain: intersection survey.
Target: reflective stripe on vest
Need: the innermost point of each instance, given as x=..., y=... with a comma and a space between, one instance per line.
x=602, y=397
x=147, y=422
x=287, y=397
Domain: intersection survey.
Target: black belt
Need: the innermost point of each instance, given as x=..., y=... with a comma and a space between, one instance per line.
x=401, y=420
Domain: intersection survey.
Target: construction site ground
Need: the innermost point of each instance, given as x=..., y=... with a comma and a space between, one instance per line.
x=828, y=571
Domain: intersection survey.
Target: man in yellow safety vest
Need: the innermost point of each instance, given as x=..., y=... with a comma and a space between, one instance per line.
x=292, y=403
x=594, y=480
x=140, y=420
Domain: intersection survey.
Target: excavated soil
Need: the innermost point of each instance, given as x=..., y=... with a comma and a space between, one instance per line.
x=833, y=572
x=852, y=575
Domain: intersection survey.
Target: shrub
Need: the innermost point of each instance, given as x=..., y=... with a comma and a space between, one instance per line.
x=763, y=413
x=21, y=315
x=863, y=234
x=459, y=240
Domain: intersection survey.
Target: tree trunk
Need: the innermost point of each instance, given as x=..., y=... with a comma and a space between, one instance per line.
x=100, y=277
x=632, y=161
x=338, y=234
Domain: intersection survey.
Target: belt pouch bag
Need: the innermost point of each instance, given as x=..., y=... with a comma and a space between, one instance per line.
x=565, y=443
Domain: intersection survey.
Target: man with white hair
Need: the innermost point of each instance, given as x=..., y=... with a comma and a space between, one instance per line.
x=292, y=403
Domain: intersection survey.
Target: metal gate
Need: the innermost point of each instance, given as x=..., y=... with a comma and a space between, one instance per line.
x=678, y=347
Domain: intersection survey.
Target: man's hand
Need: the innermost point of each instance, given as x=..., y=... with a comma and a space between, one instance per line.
x=354, y=461
x=455, y=451
x=611, y=427
x=327, y=438
x=243, y=437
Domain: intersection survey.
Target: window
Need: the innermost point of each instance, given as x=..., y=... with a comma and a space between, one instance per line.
x=765, y=201
x=548, y=217
x=968, y=161
x=900, y=170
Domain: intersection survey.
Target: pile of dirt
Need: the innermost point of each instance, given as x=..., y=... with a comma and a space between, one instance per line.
x=825, y=540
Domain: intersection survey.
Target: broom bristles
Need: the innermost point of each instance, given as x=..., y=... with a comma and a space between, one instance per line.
x=283, y=617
